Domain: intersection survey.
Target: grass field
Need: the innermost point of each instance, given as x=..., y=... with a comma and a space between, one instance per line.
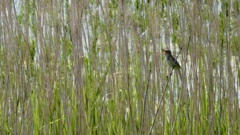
x=80, y=67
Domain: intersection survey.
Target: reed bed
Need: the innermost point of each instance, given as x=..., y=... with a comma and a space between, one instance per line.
x=96, y=67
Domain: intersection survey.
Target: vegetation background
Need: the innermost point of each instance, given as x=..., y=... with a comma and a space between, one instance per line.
x=96, y=67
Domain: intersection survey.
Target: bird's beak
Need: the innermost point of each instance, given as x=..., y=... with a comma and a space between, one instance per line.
x=163, y=51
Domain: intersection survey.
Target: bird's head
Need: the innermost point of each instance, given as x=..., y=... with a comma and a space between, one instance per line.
x=166, y=52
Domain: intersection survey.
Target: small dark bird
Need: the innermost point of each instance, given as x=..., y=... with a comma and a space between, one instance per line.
x=172, y=62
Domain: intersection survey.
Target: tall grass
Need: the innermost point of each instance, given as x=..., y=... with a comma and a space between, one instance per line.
x=96, y=67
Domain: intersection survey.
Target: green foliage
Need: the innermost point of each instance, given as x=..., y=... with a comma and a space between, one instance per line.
x=7, y=128
x=89, y=67
x=33, y=50
x=175, y=23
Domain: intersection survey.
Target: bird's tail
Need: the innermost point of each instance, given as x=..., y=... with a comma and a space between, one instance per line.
x=179, y=74
x=179, y=77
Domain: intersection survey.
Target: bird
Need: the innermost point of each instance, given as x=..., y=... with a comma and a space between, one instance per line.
x=172, y=62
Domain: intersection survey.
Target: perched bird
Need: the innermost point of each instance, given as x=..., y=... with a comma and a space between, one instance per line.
x=172, y=62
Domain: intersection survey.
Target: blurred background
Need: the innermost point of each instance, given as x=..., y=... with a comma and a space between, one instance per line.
x=96, y=67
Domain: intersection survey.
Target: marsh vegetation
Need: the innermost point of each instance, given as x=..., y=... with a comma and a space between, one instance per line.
x=96, y=67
